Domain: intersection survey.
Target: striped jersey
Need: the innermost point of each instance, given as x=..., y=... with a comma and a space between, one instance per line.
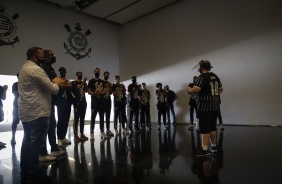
x=208, y=97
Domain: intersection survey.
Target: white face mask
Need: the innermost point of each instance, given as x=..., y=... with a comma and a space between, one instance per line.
x=116, y=81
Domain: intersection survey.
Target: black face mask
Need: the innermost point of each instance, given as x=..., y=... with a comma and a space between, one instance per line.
x=106, y=77
x=97, y=75
x=133, y=81
x=63, y=74
x=53, y=59
x=39, y=61
x=79, y=77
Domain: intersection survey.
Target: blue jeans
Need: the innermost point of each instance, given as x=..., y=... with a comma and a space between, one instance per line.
x=35, y=133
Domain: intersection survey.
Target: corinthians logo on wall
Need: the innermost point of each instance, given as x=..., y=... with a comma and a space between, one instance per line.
x=8, y=28
x=77, y=42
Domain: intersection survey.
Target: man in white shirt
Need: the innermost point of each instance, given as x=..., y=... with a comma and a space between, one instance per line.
x=35, y=89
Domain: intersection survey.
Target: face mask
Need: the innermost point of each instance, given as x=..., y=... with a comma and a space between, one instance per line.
x=79, y=77
x=106, y=77
x=116, y=81
x=63, y=74
x=53, y=59
x=39, y=61
x=97, y=75
x=133, y=81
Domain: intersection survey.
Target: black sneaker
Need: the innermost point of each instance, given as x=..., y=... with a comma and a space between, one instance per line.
x=214, y=149
x=202, y=153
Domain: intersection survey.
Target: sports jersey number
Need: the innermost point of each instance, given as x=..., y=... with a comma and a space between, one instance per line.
x=214, y=88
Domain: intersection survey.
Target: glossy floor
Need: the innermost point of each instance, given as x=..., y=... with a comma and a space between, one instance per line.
x=250, y=155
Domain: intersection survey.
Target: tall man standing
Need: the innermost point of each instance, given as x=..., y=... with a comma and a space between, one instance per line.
x=108, y=102
x=192, y=105
x=170, y=98
x=34, y=110
x=16, y=118
x=134, y=103
x=49, y=59
x=209, y=87
x=64, y=102
x=97, y=90
x=80, y=106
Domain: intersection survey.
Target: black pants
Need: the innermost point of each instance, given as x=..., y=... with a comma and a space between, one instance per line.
x=107, y=110
x=145, y=114
x=170, y=108
x=79, y=115
x=64, y=110
x=161, y=112
x=97, y=106
x=193, y=107
x=51, y=134
x=120, y=115
x=134, y=111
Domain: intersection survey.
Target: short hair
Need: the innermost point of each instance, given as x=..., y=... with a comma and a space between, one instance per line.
x=143, y=83
x=117, y=76
x=78, y=73
x=205, y=64
x=133, y=77
x=96, y=69
x=32, y=52
x=158, y=84
x=106, y=72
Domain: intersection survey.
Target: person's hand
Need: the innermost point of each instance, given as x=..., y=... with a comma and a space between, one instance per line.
x=58, y=81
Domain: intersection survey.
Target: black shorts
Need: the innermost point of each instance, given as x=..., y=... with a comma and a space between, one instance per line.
x=207, y=121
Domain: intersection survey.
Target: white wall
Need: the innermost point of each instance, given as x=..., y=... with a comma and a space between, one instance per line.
x=43, y=25
x=242, y=39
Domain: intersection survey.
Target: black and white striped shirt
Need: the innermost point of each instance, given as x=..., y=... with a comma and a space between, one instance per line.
x=208, y=98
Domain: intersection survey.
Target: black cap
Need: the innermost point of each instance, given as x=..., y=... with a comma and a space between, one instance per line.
x=62, y=69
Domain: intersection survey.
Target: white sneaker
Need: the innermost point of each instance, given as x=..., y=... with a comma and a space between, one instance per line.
x=57, y=153
x=110, y=133
x=46, y=158
x=92, y=136
x=104, y=135
x=66, y=141
x=116, y=131
x=60, y=144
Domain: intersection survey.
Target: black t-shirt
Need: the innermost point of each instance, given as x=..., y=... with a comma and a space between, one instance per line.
x=161, y=97
x=120, y=95
x=49, y=70
x=96, y=86
x=78, y=93
x=133, y=91
x=146, y=97
x=107, y=95
x=193, y=96
x=208, y=98
x=170, y=95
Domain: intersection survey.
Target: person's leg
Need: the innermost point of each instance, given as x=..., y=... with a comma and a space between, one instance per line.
x=24, y=151
x=108, y=113
x=38, y=133
x=131, y=114
x=52, y=131
x=168, y=113
x=173, y=113
x=136, y=113
x=67, y=112
x=76, y=119
x=15, y=123
x=147, y=113
x=142, y=115
x=82, y=113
